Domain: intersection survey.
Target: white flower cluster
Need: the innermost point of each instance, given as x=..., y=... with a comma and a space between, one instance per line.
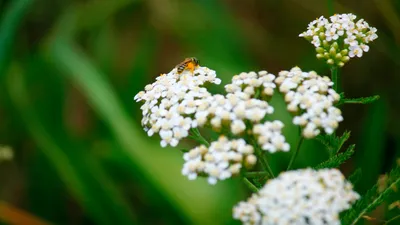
x=340, y=38
x=312, y=98
x=269, y=136
x=231, y=111
x=223, y=159
x=247, y=85
x=300, y=197
x=171, y=101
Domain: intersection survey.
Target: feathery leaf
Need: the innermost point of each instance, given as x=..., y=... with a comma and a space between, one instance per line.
x=332, y=142
x=338, y=159
x=373, y=198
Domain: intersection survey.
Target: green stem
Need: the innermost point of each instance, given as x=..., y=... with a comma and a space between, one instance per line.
x=196, y=135
x=391, y=220
x=256, y=174
x=262, y=159
x=250, y=185
x=335, y=78
x=294, y=156
x=257, y=94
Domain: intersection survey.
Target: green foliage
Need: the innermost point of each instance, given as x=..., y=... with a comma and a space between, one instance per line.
x=362, y=100
x=337, y=160
x=83, y=173
x=373, y=198
x=196, y=135
x=355, y=176
x=332, y=142
x=10, y=21
x=371, y=146
x=86, y=62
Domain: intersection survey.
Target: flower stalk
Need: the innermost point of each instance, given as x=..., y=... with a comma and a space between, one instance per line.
x=250, y=185
x=196, y=135
x=335, y=78
x=294, y=156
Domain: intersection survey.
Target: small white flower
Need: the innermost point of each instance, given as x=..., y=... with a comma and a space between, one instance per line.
x=355, y=51
x=237, y=126
x=299, y=197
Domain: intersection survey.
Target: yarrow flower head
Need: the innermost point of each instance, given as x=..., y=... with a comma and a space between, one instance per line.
x=222, y=160
x=171, y=102
x=340, y=38
x=299, y=197
x=269, y=136
x=252, y=84
x=231, y=111
x=311, y=98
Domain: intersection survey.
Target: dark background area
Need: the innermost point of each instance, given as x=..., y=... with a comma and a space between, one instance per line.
x=69, y=71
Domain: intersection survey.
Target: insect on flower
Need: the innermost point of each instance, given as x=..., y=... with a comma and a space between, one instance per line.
x=187, y=64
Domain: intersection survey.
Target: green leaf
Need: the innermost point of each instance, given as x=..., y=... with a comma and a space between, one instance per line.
x=362, y=100
x=332, y=142
x=9, y=24
x=355, y=176
x=338, y=159
x=183, y=150
x=373, y=198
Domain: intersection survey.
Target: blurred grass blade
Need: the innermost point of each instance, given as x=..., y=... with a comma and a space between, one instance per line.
x=85, y=179
x=8, y=28
x=370, y=149
x=104, y=100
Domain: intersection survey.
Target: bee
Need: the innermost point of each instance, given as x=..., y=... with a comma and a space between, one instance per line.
x=187, y=64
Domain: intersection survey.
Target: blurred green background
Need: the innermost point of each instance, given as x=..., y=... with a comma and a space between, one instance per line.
x=69, y=71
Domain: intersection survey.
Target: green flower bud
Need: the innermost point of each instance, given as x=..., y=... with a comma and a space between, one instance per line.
x=330, y=61
x=345, y=59
x=332, y=51
x=335, y=45
x=341, y=64
x=338, y=56
x=344, y=52
x=326, y=55
x=320, y=56
x=325, y=44
x=319, y=50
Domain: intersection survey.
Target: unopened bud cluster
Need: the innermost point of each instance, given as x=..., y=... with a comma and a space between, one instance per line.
x=339, y=38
